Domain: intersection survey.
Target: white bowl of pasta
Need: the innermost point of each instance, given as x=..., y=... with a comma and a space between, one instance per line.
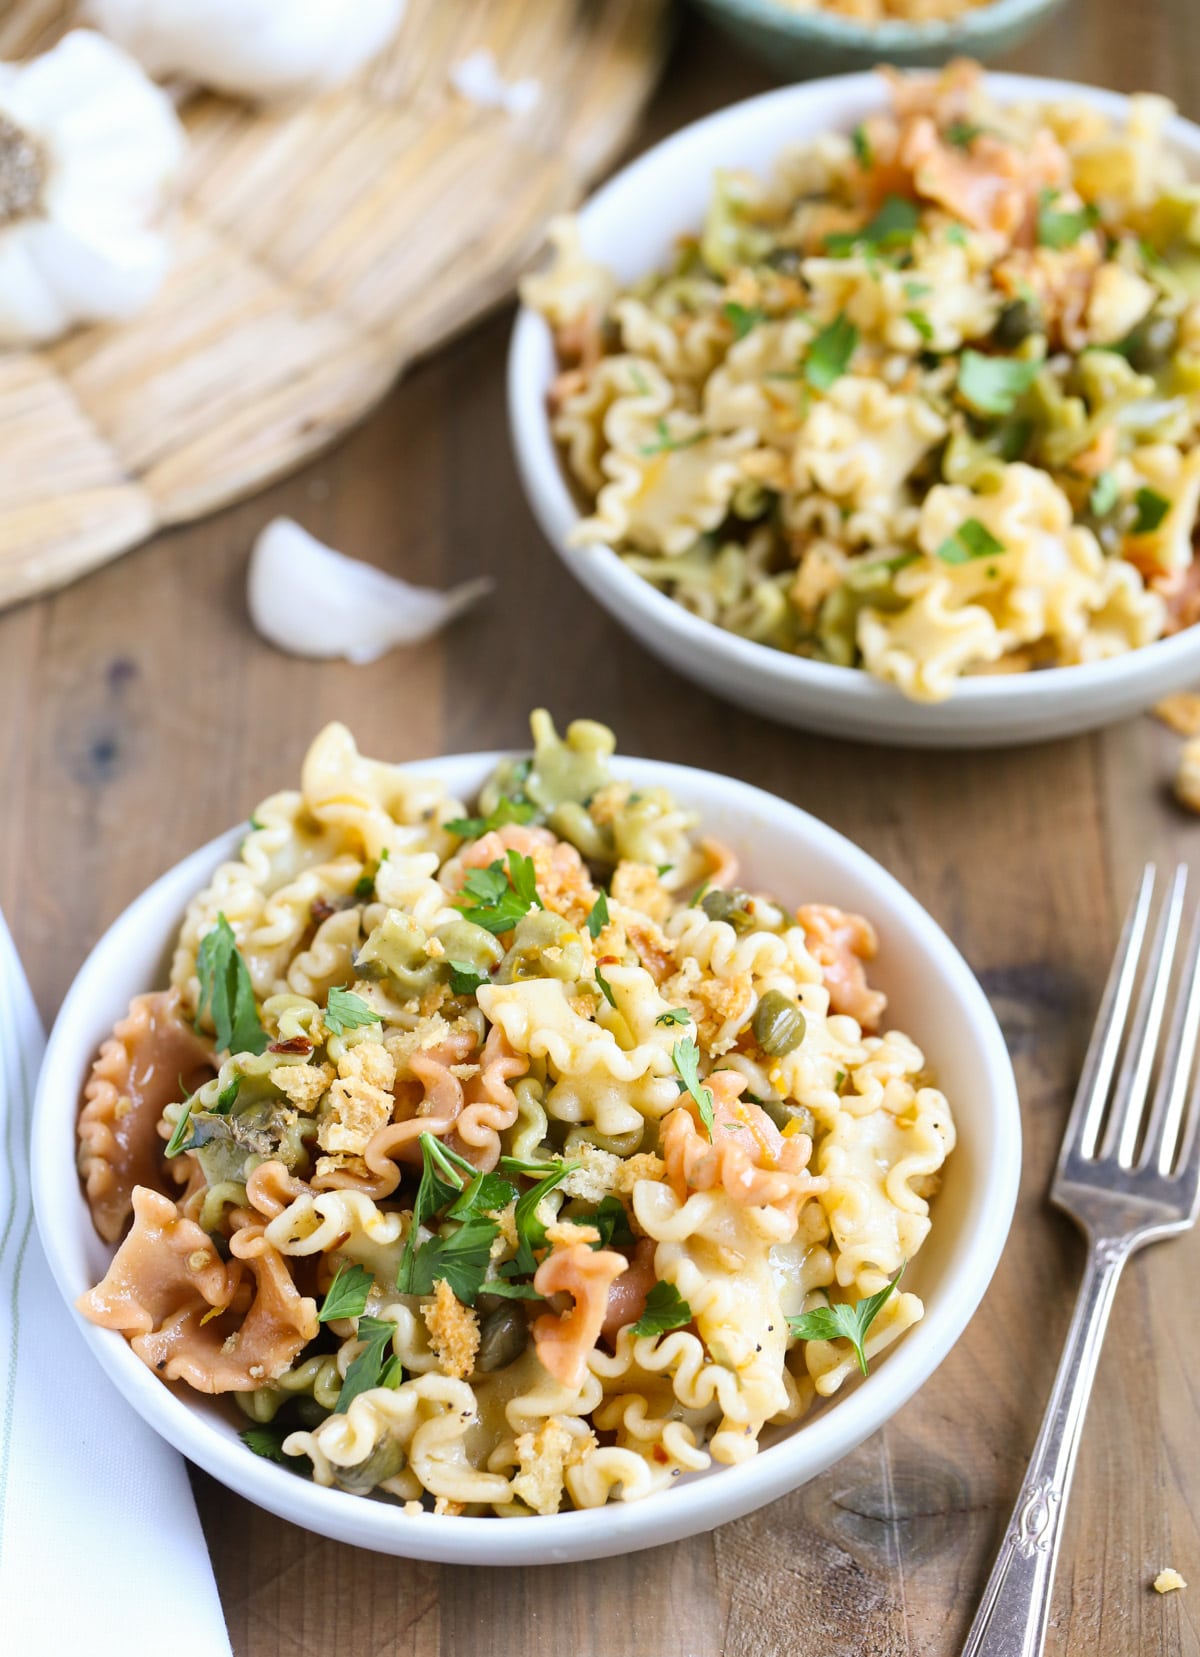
x=802, y=400
x=408, y=1382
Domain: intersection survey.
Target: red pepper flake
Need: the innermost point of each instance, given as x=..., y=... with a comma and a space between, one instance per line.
x=295, y=1044
x=660, y=1454
x=320, y=910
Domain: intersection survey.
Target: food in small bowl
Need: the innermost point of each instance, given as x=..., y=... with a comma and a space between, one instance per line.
x=817, y=37
x=519, y=1159
x=922, y=401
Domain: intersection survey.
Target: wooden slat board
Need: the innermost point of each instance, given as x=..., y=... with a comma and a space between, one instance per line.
x=319, y=248
x=143, y=715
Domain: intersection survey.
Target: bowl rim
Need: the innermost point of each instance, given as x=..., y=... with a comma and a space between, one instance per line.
x=890, y=32
x=550, y=492
x=617, y=1527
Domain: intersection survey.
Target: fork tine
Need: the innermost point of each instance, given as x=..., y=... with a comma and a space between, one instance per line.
x=1133, y=1082
x=1171, y=1094
x=1087, y=1112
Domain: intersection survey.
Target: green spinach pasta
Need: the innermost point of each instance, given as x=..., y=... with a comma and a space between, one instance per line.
x=924, y=402
x=507, y=1161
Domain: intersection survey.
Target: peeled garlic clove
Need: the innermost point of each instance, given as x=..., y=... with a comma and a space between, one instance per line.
x=311, y=601
x=250, y=48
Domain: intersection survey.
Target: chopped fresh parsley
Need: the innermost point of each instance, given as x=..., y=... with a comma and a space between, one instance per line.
x=180, y=1132
x=830, y=353
x=611, y=1221
x=598, y=918
x=742, y=318
x=962, y=134
x=663, y=869
x=1062, y=229
x=685, y=1057
x=507, y=810
x=346, y=1011
x=486, y=1194
x=347, y=1295
x=267, y=1440
x=226, y=992
x=1152, y=508
x=461, y=1259
x=1104, y=495
x=605, y=988
x=844, y=1322
x=921, y=323
x=894, y=226
x=956, y=235
x=970, y=540
x=674, y=1015
x=508, y=1290
x=862, y=146
x=499, y=899
x=531, y=1233
x=664, y=443
x=666, y=1309
x=441, y=1183
x=464, y=980
x=993, y=385
x=370, y=1366
x=639, y=380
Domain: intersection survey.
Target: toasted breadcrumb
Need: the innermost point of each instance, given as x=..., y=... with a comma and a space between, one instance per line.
x=1187, y=775
x=443, y=1504
x=565, y=1233
x=360, y=1101
x=304, y=1084
x=1181, y=712
x=544, y=1458
x=506, y=1219
x=1166, y=1582
x=596, y=1175
x=637, y=886
x=453, y=1331
x=606, y=802
x=643, y=1166
x=412, y=1509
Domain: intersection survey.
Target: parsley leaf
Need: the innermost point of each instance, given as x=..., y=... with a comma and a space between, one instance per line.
x=1060, y=230
x=830, y=353
x=921, y=323
x=993, y=385
x=180, y=1132
x=862, y=146
x=742, y=318
x=970, y=540
x=605, y=988
x=346, y=1011
x=486, y=1194
x=598, y=918
x=685, y=1057
x=662, y=869
x=611, y=1221
x=894, y=226
x=507, y=810
x=666, y=1309
x=664, y=443
x=346, y=1296
x=267, y=1440
x=226, y=991
x=510, y=1291
x=962, y=134
x=531, y=1233
x=441, y=1183
x=368, y=1367
x=956, y=235
x=674, y=1015
x=460, y=1259
x=464, y=980
x=501, y=899
x=841, y=1321
x=1152, y=508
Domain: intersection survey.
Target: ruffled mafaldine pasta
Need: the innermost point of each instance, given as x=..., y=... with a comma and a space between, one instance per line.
x=925, y=402
x=509, y=1162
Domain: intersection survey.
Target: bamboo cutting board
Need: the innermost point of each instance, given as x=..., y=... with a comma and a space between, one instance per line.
x=319, y=248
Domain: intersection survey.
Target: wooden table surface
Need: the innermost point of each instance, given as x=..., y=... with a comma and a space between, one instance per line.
x=144, y=715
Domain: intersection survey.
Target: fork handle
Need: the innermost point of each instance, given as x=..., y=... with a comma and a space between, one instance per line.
x=1012, y=1619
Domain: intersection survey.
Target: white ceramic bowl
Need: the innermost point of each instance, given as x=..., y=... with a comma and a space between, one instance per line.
x=631, y=226
x=934, y=997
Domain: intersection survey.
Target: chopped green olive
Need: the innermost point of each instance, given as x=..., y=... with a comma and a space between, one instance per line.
x=784, y=1114
x=732, y=907
x=384, y=1462
x=778, y=1024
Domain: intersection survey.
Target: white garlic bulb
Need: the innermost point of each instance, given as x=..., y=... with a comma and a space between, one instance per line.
x=251, y=48
x=88, y=150
x=311, y=601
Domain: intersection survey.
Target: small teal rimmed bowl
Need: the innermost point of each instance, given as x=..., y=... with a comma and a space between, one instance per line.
x=796, y=44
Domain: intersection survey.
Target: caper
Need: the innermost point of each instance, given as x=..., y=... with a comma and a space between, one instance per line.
x=784, y=1113
x=384, y=1462
x=732, y=907
x=1016, y=322
x=308, y=1412
x=503, y=1336
x=1152, y=343
x=778, y=1024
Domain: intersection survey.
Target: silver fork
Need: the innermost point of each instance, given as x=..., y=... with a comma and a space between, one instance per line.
x=1128, y=1173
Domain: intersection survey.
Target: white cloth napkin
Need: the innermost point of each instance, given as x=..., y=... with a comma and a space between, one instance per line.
x=101, y=1551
